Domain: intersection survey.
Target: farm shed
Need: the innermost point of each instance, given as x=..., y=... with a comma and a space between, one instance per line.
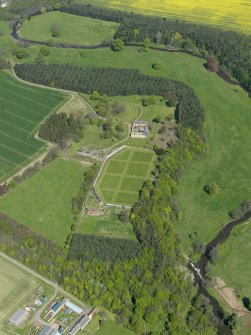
x=80, y=324
x=73, y=307
x=47, y=330
x=19, y=317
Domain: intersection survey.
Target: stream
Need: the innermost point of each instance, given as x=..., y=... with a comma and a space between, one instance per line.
x=198, y=270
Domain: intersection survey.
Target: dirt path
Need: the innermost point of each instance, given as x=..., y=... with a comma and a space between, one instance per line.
x=33, y=162
x=227, y=294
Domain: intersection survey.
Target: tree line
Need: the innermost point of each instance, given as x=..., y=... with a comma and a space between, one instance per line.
x=111, y=81
x=231, y=48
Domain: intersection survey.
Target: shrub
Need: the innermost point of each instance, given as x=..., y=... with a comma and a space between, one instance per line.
x=212, y=189
x=45, y=50
x=20, y=53
x=95, y=95
x=82, y=53
x=117, y=45
x=156, y=66
x=54, y=29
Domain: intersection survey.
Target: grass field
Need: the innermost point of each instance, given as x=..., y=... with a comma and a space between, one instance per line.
x=107, y=225
x=228, y=125
x=22, y=108
x=43, y=202
x=15, y=285
x=234, y=265
x=123, y=176
x=73, y=29
x=111, y=328
x=232, y=14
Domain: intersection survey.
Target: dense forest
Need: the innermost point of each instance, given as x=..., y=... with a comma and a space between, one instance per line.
x=58, y=127
x=110, y=81
x=231, y=48
x=90, y=247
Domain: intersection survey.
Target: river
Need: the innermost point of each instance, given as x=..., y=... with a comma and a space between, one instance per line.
x=198, y=270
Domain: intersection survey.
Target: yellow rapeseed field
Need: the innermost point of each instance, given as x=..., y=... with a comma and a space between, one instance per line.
x=230, y=14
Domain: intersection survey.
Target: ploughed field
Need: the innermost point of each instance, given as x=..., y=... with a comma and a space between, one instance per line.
x=22, y=108
x=43, y=202
x=123, y=176
x=72, y=29
x=230, y=14
x=15, y=285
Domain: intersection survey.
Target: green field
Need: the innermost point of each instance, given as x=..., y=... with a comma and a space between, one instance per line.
x=22, y=108
x=107, y=225
x=15, y=286
x=43, y=202
x=73, y=29
x=123, y=176
x=234, y=265
x=111, y=328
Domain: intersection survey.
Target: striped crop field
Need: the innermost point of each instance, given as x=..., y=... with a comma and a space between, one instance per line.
x=22, y=108
x=229, y=14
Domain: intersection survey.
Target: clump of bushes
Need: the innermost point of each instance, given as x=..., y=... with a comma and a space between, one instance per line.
x=118, y=45
x=212, y=189
x=20, y=53
x=156, y=66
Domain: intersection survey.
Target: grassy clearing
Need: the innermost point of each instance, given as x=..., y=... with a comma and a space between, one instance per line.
x=76, y=106
x=15, y=285
x=232, y=14
x=228, y=126
x=149, y=113
x=124, y=175
x=107, y=225
x=44, y=200
x=22, y=108
x=72, y=28
x=111, y=328
x=234, y=264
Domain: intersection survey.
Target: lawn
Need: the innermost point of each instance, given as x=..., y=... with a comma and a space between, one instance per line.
x=72, y=29
x=228, y=125
x=22, y=108
x=43, y=202
x=123, y=176
x=234, y=265
x=232, y=14
x=111, y=328
x=147, y=113
x=15, y=286
x=107, y=225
